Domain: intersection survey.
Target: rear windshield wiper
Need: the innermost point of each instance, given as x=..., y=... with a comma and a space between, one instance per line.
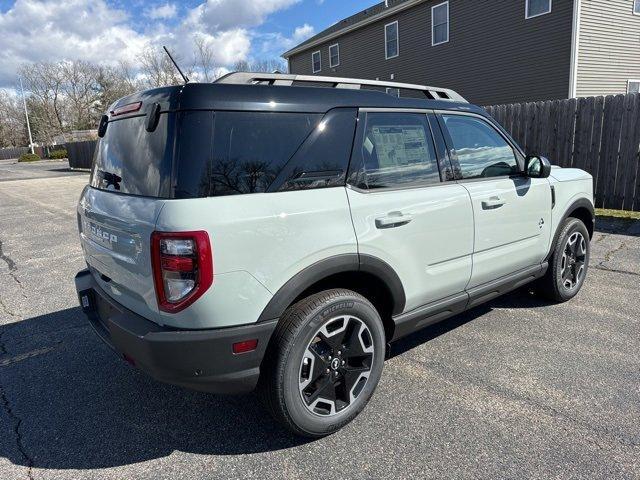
x=108, y=178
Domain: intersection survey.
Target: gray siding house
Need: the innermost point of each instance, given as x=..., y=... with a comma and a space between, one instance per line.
x=490, y=51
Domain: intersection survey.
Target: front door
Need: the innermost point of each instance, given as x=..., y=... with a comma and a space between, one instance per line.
x=512, y=212
x=402, y=211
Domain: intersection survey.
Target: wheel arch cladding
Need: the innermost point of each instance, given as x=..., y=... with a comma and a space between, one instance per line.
x=581, y=209
x=371, y=277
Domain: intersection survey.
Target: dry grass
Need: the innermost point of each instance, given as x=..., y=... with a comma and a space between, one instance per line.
x=605, y=212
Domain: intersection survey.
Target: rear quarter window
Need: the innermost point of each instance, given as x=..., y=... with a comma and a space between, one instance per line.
x=251, y=148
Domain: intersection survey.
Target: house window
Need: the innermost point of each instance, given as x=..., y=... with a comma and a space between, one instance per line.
x=535, y=8
x=316, y=59
x=391, y=40
x=636, y=7
x=633, y=86
x=440, y=24
x=334, y=55
x=394, y=92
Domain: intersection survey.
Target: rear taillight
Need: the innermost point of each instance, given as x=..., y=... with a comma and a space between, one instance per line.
x=182, y=268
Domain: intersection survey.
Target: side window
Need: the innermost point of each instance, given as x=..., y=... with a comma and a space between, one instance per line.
x=323, y=159
x=316, y=60
x=481, y=151
x=392, y=47
x=334, y=55
x=535, y=8
x=250, y=148
x=395, y=150
x=440, y=24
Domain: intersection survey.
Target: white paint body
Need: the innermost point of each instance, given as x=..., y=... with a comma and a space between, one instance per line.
x=261, y=241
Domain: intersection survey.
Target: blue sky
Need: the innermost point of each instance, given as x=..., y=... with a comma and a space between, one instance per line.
x=113, y=31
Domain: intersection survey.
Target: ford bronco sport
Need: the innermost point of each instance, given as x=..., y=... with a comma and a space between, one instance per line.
x=278, y=232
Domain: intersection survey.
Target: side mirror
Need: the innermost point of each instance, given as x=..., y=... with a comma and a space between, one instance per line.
x=537, y=167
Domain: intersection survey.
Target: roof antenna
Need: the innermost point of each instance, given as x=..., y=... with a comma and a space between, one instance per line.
x=184, y=77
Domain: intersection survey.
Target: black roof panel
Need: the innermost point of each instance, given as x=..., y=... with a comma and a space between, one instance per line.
x=212, y=96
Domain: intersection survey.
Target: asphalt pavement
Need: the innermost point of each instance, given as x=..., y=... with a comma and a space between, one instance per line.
x=518, y=388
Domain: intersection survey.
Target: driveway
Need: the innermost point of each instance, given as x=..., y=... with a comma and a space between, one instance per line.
x=514, y=389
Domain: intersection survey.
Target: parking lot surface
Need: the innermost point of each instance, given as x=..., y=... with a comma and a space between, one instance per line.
x=518, y=388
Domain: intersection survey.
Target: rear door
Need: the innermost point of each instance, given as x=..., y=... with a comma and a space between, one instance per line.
x=511, y=211
x=405, y=210
x=130, y=180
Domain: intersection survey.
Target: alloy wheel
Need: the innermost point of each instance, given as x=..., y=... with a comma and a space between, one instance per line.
x=336, y=365
x=573, y=261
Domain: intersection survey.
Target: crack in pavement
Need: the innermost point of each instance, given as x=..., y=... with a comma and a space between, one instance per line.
x=25, y=356
x=10, y=263
x=17, y=422
x=607, y=258
x=613, y=251
x=613, y=270
x=12, y=269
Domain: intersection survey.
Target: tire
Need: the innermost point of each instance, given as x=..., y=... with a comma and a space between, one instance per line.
x=569, y=262
x=297, y=376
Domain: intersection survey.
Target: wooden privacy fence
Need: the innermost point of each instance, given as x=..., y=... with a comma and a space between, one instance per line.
x=81, y=154
x=598, y=134
x=15, y=152
x=10, y=153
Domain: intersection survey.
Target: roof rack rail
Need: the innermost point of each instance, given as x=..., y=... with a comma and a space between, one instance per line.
x=287, y=80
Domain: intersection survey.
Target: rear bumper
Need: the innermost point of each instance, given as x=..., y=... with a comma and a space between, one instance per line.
x=196, y=359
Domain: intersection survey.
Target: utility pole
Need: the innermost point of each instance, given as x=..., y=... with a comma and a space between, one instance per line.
x=26, y=114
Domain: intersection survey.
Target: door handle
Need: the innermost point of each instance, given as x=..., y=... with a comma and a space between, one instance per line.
x=393, y=219
x=493, y=202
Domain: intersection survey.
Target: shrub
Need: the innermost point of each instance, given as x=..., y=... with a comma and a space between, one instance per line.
x=58, y=154
x=29, y=157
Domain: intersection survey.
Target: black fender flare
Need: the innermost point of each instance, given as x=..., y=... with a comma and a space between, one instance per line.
x=580, y=203
x=351, y=262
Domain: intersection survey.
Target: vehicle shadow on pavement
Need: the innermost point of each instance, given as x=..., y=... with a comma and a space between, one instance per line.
x=521, y=298
x=620, y=226
x=72, y=404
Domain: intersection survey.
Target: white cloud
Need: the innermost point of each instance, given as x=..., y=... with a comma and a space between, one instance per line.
x=96, y=31
x=274, y=44
x=166, y=11
x=74, y=29
x=300, y=34
x=225, y=14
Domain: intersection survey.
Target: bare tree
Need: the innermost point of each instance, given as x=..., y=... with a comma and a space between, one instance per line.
x=157, y=69
x=44, y=83
x=13, y=130
x=261, y=66
x=204, y=62
x=81, y=93
x=114, y=83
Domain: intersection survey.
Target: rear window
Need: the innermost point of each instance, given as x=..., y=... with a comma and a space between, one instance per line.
x=128, y=159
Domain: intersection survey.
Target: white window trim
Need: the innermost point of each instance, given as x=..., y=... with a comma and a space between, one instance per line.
x=433, y=26
x=633, y=8
x=331, y=65
x=397, y=41
x=313, y=62
x=630, y=81
x=526, y=10
x=394, y=92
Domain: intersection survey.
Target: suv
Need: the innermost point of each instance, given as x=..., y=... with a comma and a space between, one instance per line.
x=278, y=232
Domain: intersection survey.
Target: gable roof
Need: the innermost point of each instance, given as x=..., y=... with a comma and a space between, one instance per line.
x=371, y=14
